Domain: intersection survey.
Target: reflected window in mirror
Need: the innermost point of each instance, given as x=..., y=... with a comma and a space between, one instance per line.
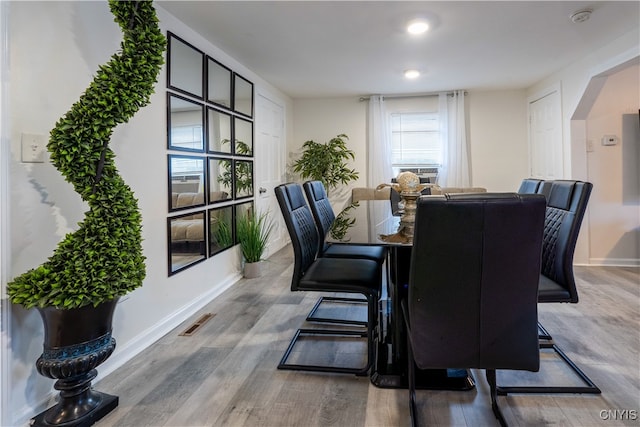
x=185, y=67
x=242, y=210
x=220, y=180
x=242, y=95
x=220, y=229
x=186, y=182
x=186, y=241
x=243, y=183
x=218, y=131
x=243, y=136
x=218, y=83
x=185, y=122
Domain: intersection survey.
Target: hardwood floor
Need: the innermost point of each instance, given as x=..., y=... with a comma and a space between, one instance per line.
x=225, y=373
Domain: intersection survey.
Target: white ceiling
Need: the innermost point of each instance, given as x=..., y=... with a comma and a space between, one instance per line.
x=343, y=48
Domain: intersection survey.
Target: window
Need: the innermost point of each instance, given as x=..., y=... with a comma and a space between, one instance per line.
x=415, y=141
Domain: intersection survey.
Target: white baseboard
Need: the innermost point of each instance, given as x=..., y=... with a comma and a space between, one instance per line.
x=615, y=262
x=135, y=346
x=151, y=335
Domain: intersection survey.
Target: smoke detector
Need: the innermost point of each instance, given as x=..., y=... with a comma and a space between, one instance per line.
x=581, y=15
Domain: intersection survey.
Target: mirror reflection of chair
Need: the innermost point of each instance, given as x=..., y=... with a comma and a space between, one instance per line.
x=339, y=275
x=473, y=286
x=324, y=217
x=566, y=206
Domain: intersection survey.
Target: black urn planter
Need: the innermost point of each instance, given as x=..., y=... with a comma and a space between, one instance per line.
x=76, y=341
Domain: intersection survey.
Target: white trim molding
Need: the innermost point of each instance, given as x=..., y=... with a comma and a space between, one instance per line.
x=4, y=215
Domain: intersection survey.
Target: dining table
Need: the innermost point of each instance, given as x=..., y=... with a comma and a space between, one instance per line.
x=378, y=222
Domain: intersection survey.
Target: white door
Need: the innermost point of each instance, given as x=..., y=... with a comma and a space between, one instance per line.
x=545, y=136
x=270, y=165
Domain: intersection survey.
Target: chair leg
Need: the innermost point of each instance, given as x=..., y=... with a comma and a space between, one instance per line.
x=411, y=370
x=491, y=379
x=369, y=333
x=543, y=333
x=588, y=388
x=283, y=365
x=311, y=317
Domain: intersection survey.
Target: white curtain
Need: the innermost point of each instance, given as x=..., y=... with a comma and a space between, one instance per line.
x=456, y=168
x=379, y=146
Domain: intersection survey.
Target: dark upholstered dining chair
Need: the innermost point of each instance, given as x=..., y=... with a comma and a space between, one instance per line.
x=566, y=205
x=529, y=186
x=473, y=285
x=311, y=273
x=324, y=217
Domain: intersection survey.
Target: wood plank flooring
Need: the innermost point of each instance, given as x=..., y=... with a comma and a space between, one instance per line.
x=225, y=374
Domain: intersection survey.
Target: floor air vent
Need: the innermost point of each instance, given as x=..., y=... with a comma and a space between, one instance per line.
x=197, y=324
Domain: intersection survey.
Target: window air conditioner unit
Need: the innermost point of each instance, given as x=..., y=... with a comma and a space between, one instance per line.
x=424, y=172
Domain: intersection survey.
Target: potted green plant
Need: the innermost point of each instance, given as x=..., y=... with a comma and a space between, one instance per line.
x=253, y=231
x=326, y=162
x=77, y=289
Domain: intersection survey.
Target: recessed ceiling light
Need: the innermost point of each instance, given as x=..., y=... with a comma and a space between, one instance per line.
x=412, y=74
x=417, y=27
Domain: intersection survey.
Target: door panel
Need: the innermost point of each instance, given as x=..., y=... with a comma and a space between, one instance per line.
x=270, y=165
x=545, y=137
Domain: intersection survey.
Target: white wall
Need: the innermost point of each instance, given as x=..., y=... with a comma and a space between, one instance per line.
x=614, y=219
x=322, y=119
x=498, y=139
x=574, y=80
x=579, y=82
x=497, y=132
x=55, y=49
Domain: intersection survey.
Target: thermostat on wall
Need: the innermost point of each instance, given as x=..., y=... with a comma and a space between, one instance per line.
x=609, y=140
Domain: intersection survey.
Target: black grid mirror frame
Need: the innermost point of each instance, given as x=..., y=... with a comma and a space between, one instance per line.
x=242, y=95
x=210, y=142
x=186, y=240
x=219, y=83
x=185, y=67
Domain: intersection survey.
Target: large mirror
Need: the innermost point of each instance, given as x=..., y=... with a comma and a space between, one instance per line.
x=242, y=95
x=243, y=184
x=186, y=67
x=186, y=182
x=218, y=83
x=186, y=241
x=218, y=131
x=220, y=229
x=243, y=136
x=185, y=124
x=220, y=180
x=243, y=210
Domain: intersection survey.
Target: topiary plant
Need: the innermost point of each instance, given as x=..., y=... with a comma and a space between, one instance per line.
x=326, y=162
x=103, y=259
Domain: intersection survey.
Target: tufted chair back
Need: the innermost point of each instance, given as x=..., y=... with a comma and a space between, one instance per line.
x=566, y=205
x=321, y=209
x=301, y=227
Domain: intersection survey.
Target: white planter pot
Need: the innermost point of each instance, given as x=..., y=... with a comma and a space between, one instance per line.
x=253, y=269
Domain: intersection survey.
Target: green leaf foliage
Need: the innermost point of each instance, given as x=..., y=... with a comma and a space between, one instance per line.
x=253, y=233
x=326, y=162
x=103, y=259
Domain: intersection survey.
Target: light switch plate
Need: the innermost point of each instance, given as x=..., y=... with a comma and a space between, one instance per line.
x=33, y=148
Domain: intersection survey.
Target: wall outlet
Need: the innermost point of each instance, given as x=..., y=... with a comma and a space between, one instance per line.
x=33, y=148
x=609, y=140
